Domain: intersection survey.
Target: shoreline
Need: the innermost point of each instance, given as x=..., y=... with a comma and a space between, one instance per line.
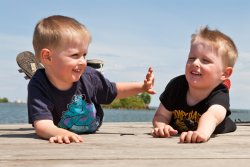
x=150, y=107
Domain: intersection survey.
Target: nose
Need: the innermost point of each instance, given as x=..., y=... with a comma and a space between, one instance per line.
x=196, y=62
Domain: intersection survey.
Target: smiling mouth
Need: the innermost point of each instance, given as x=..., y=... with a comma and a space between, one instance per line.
x=77, y=70
x=196, y=73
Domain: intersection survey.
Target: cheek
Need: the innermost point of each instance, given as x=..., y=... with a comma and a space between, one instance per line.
x=214, y=72
x=62, y=67
x=59, y=65
x=187, y=67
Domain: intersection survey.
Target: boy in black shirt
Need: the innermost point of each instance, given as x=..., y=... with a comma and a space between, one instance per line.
x=197, y=104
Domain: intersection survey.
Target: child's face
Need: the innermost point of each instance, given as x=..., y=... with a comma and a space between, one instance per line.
x=204, y=67
x=68, y=62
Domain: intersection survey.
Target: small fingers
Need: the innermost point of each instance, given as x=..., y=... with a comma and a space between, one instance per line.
x=201, y=137
x=165, y=131
x=173, y=131
x=52, y=140
x=149, y=74
x=183, y=137
x=66, y=139
x=148, y=87
x=154, y=132
x=149, y=82
x=192, y=137
x=200, y=140
x=56, y=139
x=151, y=91
x=157, y=132
x=150, y=70
x=186, y=137
x=77, y=139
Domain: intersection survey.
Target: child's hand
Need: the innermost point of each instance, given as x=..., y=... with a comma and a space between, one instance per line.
x=193, y=137
x=164, y=131
x=67, y=139
x=149, y=82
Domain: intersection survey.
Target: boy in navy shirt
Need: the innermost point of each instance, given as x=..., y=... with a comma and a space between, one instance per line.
x=64, y=98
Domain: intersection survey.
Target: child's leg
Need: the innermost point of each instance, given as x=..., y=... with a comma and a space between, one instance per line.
x=226, y=126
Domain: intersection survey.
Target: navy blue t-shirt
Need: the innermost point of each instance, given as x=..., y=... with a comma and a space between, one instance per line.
x=77, y=109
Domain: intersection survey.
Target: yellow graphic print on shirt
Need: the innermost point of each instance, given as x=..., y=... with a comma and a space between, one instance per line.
x=184, y=121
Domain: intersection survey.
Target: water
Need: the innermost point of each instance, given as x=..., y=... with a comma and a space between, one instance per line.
x=13, y=113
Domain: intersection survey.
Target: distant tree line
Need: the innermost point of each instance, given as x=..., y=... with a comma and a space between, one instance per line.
x=140, y=101
x=4, y=100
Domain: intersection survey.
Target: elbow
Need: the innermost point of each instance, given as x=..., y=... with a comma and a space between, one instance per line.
x=40, y=132
x=43, y=128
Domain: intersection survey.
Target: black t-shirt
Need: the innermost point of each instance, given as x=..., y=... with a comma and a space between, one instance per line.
x=77, y=109
x=185, y=117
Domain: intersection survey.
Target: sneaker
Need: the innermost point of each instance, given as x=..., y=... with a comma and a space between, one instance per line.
x=28, y=63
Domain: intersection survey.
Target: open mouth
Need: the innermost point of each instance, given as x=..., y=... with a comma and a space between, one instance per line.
x=196, y=73
x=77, y=70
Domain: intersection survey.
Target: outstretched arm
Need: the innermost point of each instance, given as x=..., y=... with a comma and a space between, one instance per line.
x=126, y=89
x=206, y=126
x=47, y=130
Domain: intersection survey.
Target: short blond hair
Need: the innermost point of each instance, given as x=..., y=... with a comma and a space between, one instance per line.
x=220, y=41
x=50, y=32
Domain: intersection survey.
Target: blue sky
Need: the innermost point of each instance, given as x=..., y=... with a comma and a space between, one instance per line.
x=129, y=36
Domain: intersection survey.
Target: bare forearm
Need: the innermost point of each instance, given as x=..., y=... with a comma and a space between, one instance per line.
x=53, y=132
x=159, y=121
x=208, y=122
x=46, y=130
x=126, y=89
x=162, y=117
x=129, y=89
x=206, y=127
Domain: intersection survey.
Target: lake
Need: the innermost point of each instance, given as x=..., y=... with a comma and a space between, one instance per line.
x=15, y=113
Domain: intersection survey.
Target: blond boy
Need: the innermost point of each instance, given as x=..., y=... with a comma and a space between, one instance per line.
x=196, y=104
x=64, y=98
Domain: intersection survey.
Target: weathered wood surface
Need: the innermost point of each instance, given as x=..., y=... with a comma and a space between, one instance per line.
x=122, y=144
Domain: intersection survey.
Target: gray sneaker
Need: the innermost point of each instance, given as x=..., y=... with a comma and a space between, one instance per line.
x=28, y=63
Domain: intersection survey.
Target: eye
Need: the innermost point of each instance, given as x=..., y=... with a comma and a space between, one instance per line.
x=206, y=61
x=84, y=55
x=191, y=59
x=75, y=56
x=78, y=56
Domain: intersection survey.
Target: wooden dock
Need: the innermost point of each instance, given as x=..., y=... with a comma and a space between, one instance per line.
x=122, y=145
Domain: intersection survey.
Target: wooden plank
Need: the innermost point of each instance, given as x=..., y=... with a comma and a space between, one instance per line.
x=122, y=144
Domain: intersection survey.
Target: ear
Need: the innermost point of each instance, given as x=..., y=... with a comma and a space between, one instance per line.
x=45, y=55
x=227, y=73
